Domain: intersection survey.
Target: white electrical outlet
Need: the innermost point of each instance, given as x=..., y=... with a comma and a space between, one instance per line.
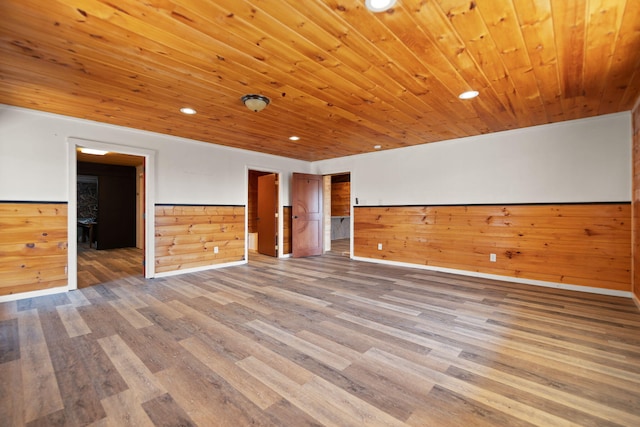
x=492, y=257
x=379, y=246
x=215, y=249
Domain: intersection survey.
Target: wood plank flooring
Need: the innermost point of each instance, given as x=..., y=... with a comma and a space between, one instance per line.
x=341, y=246
x=102, y=266
x=318, y=341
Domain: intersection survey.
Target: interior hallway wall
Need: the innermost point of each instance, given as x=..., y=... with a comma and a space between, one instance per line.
x=34, y=168
x=582, y=163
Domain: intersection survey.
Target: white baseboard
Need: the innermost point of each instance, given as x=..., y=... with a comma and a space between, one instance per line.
x=33, y=294
x=588, y=289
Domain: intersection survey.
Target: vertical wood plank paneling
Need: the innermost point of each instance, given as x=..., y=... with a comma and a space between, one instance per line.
x=33, y=246
x=636, y=200
x=286, y=229
x=340, y=199
x=187, y=235
x=585, y=244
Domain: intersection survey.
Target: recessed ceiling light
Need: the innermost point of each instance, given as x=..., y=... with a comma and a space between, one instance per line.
x=379, y=5
x=294, y=138
x=377, y=147
x=93, y=151
x=187, y=110
x=469, y=94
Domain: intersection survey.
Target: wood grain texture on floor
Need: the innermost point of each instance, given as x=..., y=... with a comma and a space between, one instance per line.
x=317, y=341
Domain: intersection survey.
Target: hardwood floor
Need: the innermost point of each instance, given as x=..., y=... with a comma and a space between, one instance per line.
x=319, y=341
x=95, y=267
x=341, y=246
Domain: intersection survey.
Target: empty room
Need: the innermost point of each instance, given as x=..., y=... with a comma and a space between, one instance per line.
x=319, y=213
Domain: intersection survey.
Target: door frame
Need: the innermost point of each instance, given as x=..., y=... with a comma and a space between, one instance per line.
x=280, y=229
x=352, y=204
x=72, y=214
x=267, y=225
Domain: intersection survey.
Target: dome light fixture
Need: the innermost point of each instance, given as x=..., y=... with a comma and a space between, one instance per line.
x=255, y=102
x=379, y=5
x=470, y=94
x=294, y=138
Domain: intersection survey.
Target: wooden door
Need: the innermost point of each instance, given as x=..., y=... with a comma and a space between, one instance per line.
x=268, y=214
x=306, y=233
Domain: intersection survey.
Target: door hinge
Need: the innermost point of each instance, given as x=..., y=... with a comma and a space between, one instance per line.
x=276, y=247
x=276, y=214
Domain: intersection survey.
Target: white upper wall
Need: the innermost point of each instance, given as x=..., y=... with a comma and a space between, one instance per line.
x=587, y=160
x=34, y=160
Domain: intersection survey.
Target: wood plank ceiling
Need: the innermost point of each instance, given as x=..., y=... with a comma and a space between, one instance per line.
x=341, y=78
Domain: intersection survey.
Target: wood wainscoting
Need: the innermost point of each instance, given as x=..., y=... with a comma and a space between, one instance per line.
x=186, y=235
x=341, y=199
x=33, y=246
x=579, y=244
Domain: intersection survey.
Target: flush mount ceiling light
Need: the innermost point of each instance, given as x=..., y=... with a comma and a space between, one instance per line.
x=379, y=5
x=187, y=110
x=93, y=151
x=294, y=138
x=468, y=94
x=255, y=102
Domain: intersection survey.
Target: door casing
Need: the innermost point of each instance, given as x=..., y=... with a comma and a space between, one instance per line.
x=268, y=214
x=72, y=215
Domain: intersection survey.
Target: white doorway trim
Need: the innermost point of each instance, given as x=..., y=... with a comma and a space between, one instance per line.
x=248, y=168
x=327, y=214
x=149, y=177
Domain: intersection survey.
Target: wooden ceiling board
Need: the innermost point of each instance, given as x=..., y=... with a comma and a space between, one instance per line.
x=110, y=159
x=538, y=34
x=339, y=76
x=620, y=90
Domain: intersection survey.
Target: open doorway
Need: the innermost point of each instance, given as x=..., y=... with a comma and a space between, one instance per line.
x=110, y=216
x=337, y=188
x=263, y=213
x=84, y=231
